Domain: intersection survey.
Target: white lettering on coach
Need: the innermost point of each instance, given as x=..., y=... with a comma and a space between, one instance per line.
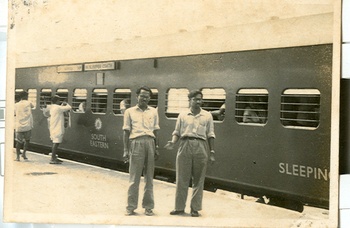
x=304, y=171
x=99, y=141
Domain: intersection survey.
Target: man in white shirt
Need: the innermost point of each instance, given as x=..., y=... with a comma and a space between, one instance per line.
x=23, y=124
x=141, y=124
x=57, y=129
x=195, y=131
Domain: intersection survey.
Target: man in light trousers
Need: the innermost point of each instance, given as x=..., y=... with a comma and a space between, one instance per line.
x=141, y=124
x=195, y=129
x=23, y=124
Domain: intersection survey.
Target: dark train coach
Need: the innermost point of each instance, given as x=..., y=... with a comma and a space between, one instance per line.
x=282, y=152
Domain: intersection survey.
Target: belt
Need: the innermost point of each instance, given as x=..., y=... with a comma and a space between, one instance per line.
x=191, y=138
x=143, y=136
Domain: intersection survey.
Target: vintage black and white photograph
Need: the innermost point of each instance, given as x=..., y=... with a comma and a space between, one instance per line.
x=173, y=113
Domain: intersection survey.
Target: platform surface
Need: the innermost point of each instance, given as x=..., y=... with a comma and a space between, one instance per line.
x=75, y=193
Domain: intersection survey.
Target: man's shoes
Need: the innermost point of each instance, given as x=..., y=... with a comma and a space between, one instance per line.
x=194, y=213
x=130, y=212
x=260, y=200
x=175, y=212
x=24, y=157
x=55, y=162
x=149, y=212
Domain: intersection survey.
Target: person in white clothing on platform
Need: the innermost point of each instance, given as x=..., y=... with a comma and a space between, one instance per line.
x=23, y=124
x=56, y=112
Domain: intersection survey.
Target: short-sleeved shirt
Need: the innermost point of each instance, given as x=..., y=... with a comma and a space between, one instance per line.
x=199, y=126
x=24, y=118
x=141, y=123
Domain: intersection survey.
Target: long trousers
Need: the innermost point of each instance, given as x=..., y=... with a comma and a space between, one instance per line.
x=142, y=151
x=191, y=162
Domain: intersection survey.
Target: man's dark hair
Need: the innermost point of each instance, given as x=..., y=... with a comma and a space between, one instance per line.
x=17, y=98
x=23, y=95
x=54, y=99
x=138, y=91
x=194, y=93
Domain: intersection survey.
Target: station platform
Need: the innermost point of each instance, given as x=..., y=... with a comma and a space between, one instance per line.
x=75, y=193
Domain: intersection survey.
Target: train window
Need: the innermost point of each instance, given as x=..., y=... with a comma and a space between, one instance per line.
x=154, y=98
x=32, y=95
x=176, y=101
x=99, y=101
x=45, y=97
x=63, y=93
x=214, y=102
x=121, y=100
x=252, y=106
x=300, y=108
x=79, y=100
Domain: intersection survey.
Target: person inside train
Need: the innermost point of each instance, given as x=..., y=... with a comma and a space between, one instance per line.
x=252, y=114
x=140, y=138
x=23, y=124
x=56, y=111
x=124, y=104
x=195, y=130
x=82, y=107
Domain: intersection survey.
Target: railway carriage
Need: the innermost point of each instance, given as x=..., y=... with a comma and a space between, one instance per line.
x=285, y=155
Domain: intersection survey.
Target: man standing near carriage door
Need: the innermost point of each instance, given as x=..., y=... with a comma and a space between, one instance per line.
x=141, y=124
x=195, y=129
x=56, y=111
x=24, y=124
